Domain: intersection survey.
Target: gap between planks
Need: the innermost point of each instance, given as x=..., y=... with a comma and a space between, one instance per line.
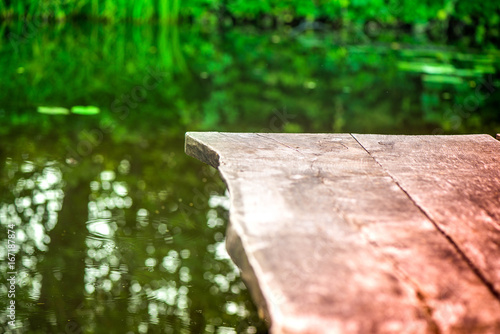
x=474, y=268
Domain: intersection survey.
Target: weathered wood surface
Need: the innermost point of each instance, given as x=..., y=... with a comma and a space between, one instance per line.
x=455, y=180
x=330, y=237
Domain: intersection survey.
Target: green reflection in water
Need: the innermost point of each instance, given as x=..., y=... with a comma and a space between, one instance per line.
x=244, y=79
x=128, y=239
x=118, y=230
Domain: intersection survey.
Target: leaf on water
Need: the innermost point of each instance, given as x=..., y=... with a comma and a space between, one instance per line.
x=426, y=68
x=484, y=69
x=52, y=110
x=442, y=79
x=85, y=110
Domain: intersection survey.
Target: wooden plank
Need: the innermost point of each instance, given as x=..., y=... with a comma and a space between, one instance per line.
x=455, y=180
x=328, y=242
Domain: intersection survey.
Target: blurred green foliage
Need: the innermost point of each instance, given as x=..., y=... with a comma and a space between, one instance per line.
x=348, y=80
x=486, y=13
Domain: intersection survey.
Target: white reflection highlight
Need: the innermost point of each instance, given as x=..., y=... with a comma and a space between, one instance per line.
x=103, y=228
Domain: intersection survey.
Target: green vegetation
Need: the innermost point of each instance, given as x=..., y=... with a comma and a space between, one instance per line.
x=485, y=13
x=329, y=81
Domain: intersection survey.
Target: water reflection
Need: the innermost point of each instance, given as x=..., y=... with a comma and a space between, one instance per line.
x=108, y=252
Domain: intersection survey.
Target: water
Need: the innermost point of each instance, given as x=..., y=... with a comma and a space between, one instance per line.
x=117, y=230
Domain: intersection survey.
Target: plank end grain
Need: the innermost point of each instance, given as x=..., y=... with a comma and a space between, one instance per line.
x=197, y=146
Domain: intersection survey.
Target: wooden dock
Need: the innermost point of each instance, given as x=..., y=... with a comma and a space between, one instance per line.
x=351, y=233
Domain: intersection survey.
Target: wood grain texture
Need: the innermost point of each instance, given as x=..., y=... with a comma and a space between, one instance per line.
x=328, y=242
x=455, y=180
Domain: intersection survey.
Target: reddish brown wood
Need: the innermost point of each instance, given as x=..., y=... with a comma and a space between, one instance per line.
x=455, y=180
x=328, y=241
